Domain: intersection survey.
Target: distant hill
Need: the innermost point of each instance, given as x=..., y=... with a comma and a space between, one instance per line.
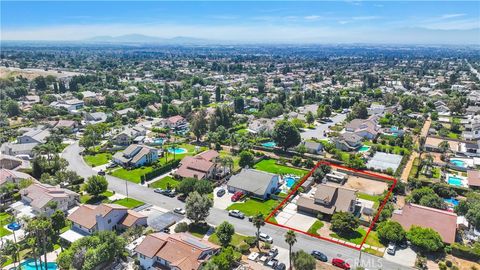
x=138, y=38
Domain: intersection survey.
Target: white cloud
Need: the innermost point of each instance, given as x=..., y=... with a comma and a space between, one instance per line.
x=454, y=25
x=312, y=17
x=449, y=16
x=366, y=18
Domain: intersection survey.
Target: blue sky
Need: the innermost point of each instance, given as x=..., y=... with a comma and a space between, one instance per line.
x=451, y=22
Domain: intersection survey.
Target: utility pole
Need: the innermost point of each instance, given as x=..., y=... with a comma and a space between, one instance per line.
x=126, y=188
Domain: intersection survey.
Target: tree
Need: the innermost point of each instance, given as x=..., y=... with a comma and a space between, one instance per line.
x=225, y=260
x=11, y=108
x=426, y=196
x=303, y=261
x=286, y=135
x=444, y=146
x=309, y=117
x=425, y=238
x=224, y=232
x=246, y=159
x=187, y=185
x=205, y=99
x=218, y=95
x=290, y=239
x=203, y=187
x=359, y=110
x=391, y=231
x=239, y=104
x=344, y=222
x=258, y=221
x=197, y=207
x=470, y=208
x=96, y=185
x=199, y=124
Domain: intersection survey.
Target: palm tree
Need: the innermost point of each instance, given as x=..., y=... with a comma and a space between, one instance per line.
x=444, y=146
x=290, y=239
x=229, y=163
x=258, y=221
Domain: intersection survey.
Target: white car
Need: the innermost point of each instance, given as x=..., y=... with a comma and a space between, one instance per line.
x=179, y=210
x=265, y=238
x=253, y=256
x=391, y=249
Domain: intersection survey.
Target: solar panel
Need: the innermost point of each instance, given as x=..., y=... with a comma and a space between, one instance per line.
x=196, y=243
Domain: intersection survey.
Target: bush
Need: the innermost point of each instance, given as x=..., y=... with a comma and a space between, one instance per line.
x=251, y=241
x=243, y=248
x=161, y=170
x=442, y=266
x=181, y=227
x=297, y=161
x=466, y=252
x=267, y=245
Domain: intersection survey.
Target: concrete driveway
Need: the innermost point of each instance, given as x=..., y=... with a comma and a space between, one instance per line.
x=405, y=257
x=291, y=218
x=222, y=202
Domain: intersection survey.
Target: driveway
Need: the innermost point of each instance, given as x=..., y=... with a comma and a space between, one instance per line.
x=222, y=202
x=405, y=257
x=317, y=132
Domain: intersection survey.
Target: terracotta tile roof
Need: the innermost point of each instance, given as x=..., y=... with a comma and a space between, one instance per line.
x=209, y=155
x=444, y=222
x=41, y=194
x=131, y=218
x=473, y=177
x=86, y=214
x=194, y=166
x=181, y=250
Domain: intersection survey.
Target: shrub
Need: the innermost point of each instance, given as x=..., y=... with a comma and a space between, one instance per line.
x=267, y=245
x=181, y=227
x=442, y=266
x=243, y=248
x=251, y=241
x=297, y=161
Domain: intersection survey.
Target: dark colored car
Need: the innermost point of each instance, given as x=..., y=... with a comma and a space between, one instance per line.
x=169, y=193
x=340, y=263
x=220, y=192
x=182, y=197
x=280, y=266
x=319, y=255
x=273, y=252
x=101, y=173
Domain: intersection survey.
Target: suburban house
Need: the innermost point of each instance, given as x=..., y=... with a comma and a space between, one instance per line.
x=136, y=155
x=68, y=125
x=95, y=117
x=104, y=217
x=37, y=135
x=175, y=122
x=12, y=163
x=376, y=109
x=473, y=178
x=348, y=141
x=365, y=128
x=201, y=166
x=124, y=112
x=70, y=105
x=444, y=222
x=472, y=127
x=178, y=251
x=11, y=176
x=40, y=197
x=313, y=147
x=15, y=149
x=129, y=135
x=327, y=200
x=254, y=183
x=262, y=125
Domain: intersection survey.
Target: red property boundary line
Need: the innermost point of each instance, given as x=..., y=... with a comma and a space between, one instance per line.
x=372, y=224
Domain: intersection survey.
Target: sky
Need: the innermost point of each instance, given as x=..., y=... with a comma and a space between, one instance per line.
x=405, y=22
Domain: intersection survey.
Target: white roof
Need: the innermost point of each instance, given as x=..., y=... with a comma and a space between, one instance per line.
x=72, y=235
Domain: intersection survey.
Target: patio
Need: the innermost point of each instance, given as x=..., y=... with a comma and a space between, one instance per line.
x=382, y=161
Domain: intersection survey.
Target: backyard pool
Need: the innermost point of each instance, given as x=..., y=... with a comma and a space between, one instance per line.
x=269, y=144
x=14, y=226
x=451, y=201
x=158, y=141
x=177, y=150
x=458, y=163
x=455, y=181
x=30, y=265
x=290, y=181
x=364, y=148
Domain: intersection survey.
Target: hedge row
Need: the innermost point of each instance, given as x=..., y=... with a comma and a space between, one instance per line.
x=466, y=252
x=164, y=169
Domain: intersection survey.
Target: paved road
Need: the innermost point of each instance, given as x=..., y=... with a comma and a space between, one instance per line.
x=307, y=243
x=319, y=129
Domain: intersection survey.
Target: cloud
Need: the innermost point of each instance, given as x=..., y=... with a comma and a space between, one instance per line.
x=449, y=16
x=312, y=17
x=366, y=18
x=454, y=25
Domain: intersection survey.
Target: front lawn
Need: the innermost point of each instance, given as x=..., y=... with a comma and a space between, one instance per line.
x=165, y=182
x=198, y=230
x=315, y=227
x=252, y=207
x=87, y=198
x=237, y=239
x=134, y=175
x=357, y=237
x=129, y=202
x=97, y=159
x=269, y=165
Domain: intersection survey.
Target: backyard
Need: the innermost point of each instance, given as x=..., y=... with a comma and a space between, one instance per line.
x=4, y=221
x=97, y=159
x=270, y=165
x=237, y=239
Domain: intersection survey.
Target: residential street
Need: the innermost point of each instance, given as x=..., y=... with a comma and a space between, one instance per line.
x=307, y=243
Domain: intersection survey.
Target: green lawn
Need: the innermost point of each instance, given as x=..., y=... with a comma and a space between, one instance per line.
x=237, y=239
x=452, y=135
x=198, y=230
x=164, y=182
x=357, y=237
x=190, y=152
x=131, y=175
x=269, y=165
x=4, y=221
x=129, y=202
x=97, y=159
x=252, y=207
x=315, y=227
x=372, y=239
x=88, y=198
x=374, y=198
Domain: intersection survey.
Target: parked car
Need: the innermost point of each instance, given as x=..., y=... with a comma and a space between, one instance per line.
x=265, y=238
x=236, y=213
x=111, y=165
x=340, y=263
x=166, y=230
x=220, y=192
x=253, y=256
x=158, y=190
x=271, y=263
x=273, y=252
x=391, y=249
x=319, y=255
x=179, y=210
x=250, y=218
x=169, y=193
x=280, y=266
x=101, y=173
x=182, y=197
x=237, y=196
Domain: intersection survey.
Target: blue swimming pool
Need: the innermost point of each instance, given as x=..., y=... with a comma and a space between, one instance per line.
x=455, y=181
x=364, y=148
x=14, y=226
x=30, y=265
x=290, y=181
x=269, y=144
x=158, y=141
x=458, y=163
x=451, y=201
x=177, y=150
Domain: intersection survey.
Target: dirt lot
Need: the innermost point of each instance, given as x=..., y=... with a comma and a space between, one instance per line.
x=32, y=73
x=365, y=185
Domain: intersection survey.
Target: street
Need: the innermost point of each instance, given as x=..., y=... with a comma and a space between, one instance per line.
x=217, y=216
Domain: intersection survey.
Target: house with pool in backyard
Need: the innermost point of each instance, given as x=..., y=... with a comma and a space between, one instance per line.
x=254, y=183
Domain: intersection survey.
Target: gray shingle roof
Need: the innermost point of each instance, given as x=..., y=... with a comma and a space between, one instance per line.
x=251, y=180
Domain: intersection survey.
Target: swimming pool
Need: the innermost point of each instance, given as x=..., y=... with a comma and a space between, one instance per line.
x=290, y=181
x=177, y=150
x=158, y=141
x=451, y=201
x=269, y=144
x=30, y=265
x=364, y=148
x=455, y=181
x=14, y=226
x=458, y=163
